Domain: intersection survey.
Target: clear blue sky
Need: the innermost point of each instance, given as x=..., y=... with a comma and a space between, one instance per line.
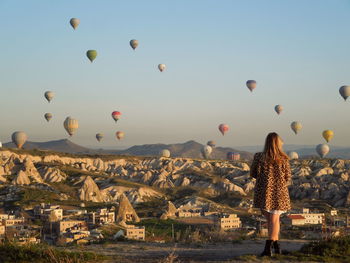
x=298, y=52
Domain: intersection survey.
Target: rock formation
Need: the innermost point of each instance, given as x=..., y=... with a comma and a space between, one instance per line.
x=21, y=178
x=169, y=211
x=146, y=178
x=52, y=175
x=126, y=213
x=89, y=191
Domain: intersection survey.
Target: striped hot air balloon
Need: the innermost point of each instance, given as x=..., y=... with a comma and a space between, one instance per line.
x=232, y=156
x=71, y=125
x=19, y=138
x=99, y=136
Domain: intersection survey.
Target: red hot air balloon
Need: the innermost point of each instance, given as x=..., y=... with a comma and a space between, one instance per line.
x=223, y=128
x=116, y=115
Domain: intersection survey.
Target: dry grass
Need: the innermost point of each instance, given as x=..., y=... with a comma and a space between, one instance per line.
x=171, y=258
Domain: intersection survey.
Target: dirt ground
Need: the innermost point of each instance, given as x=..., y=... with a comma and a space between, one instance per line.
x=153, y=252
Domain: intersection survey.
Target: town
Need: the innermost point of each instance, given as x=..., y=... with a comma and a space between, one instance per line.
x=60, y=225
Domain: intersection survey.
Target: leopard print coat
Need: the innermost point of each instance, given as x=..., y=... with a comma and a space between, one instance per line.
x=271, y=191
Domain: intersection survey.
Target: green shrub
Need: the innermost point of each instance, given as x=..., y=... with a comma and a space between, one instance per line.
x=40, y=253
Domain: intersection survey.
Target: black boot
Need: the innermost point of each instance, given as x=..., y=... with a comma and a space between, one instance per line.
x=276, y=247
x=268, y=248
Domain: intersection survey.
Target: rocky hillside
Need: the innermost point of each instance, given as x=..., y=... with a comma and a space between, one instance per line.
x=26, y=179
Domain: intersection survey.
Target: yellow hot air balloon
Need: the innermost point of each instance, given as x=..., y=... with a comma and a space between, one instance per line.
x=91, y=54
x=296, y=126
x=71, y=125
x=328, y=135
x=119, y=135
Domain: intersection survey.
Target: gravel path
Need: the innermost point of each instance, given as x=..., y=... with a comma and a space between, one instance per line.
x=153, y=252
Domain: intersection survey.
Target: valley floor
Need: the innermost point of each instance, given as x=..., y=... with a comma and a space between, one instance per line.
x=153, y=252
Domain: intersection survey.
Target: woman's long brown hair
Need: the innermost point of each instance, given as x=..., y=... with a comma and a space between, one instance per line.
x=273, y=149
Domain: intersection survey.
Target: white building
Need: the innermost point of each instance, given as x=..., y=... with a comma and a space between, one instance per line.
x=229, y=221
x=305, y=218
x=48, y=212
x=132, y=232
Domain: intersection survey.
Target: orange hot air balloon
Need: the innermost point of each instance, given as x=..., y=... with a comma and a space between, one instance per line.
x=116, y=115
x=223, y=128
x=119, y=135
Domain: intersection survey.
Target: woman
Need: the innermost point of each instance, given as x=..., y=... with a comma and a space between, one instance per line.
x=272, y=172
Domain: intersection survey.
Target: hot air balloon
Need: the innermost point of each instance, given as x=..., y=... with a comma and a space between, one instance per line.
x=322, y=149
x=251, y=85
x=223, y=128
x=74, y=22
x=232, y=156
x=165, y=153
x=328, y=135
x=296, y=126
x=161, y=67
x=119, y=135
x=212, y=144
x=278, y=109
x=71, y=125
x=99, y=136
x=293, y=155
x=116, y=115
x=48, y=116
x=49, y=95
x=344, y=92
x=206, y=151
x=134, y=43
x=19, y=138
x=91, y=54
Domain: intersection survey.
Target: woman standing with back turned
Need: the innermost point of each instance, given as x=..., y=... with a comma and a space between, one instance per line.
x=272, y=172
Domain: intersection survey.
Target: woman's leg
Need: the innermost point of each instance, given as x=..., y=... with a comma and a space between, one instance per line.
x=275, y=226
x=268, y=221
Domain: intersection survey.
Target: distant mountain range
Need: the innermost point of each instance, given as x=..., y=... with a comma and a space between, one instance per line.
x=305, y=151
x=63, y=145
x=190, y=149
